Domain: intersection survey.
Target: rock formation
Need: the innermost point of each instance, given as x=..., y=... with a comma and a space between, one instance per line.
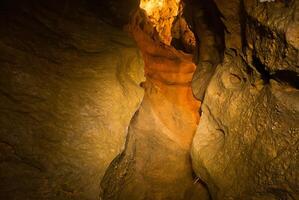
x=149, y=99
x=246, y=146
x=156, y=161
x=69, y=86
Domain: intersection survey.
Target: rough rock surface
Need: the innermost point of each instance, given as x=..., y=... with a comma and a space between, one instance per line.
x=246, y=145
x=272, y=34
x=205, y=21
x=156, y=161
x=69, y=86
x=162, y=15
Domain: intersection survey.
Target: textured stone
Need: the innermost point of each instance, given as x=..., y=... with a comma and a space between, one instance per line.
x=69, y=89
x=69, y=86
x=232, y=16
x=246, y=145
x=272, y=34
x=161, y=14
x=206, y=22
x=156, y=161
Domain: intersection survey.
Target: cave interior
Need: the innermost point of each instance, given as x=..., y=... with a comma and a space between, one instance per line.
x=149, y=100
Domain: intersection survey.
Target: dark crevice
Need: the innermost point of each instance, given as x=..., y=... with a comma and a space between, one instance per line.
x=213, y=20
x=290, y=78
x=287, y=77
x=205, y=16
x=178, y=45
x=261, y=68
x=243, y=22
x=205, y=20
x=197, y=180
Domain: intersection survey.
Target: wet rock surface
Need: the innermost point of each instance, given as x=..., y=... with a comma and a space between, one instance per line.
x=69, y=86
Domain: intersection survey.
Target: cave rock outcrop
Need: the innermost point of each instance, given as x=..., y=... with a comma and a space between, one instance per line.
x=69, y=86
x=246, y=145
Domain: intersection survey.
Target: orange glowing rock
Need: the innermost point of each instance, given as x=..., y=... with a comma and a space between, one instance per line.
x=159, y=137
x=168, y=73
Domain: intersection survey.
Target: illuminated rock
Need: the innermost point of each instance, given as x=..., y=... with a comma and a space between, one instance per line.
x=69, y=87
x=246, y=143
x=162, y=13
x=155, y=163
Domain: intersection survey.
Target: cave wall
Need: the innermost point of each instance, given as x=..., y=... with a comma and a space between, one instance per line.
x=69, y=85
x=155, y=163
x=246, y=145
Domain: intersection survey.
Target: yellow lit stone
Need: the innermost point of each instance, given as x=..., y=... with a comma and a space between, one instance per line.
x=162, y=14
